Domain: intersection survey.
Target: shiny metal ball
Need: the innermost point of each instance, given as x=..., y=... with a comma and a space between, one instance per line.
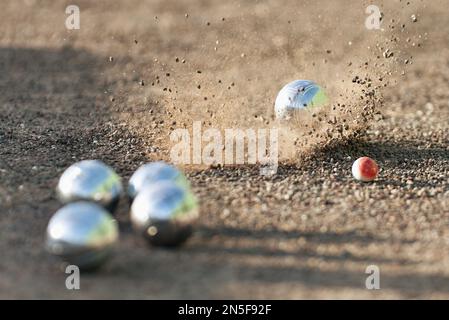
x=82, y=233
x=165, y=213
x=153, y=172
x=296, y=95
x=90, y=180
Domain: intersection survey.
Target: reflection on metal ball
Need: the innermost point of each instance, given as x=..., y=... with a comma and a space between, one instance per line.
x=90, y=180
x=297, y=95
x=165, y=213
x=82, y=233
x=154, y=172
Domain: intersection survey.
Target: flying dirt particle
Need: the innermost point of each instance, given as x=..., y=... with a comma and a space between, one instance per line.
x=135, y=41
x=208, y=23
x=198, y=71
x=198, y=86
x=388, y=54
x=167, y=74
x=176, y=59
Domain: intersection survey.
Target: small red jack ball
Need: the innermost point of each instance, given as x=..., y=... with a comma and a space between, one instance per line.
x=365, y=169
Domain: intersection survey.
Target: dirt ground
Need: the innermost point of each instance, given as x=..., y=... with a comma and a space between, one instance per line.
x=136, y=70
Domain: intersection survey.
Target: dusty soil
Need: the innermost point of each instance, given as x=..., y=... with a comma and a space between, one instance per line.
x=310, y=231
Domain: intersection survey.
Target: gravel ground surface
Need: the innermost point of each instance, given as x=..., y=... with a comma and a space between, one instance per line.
x=136, y=70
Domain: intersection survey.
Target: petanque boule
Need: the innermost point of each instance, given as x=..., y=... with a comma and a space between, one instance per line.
x=90, y=180
x=82, y=233
x=165, y=213
x=297, y=95
x=153, y=172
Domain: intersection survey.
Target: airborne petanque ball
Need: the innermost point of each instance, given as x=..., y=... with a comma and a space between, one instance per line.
x=297, y=95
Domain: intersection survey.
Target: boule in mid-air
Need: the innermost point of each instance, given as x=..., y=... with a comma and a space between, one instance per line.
x=90, y=180
x=297, y=95
x=82, y=233
x=164, y=213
